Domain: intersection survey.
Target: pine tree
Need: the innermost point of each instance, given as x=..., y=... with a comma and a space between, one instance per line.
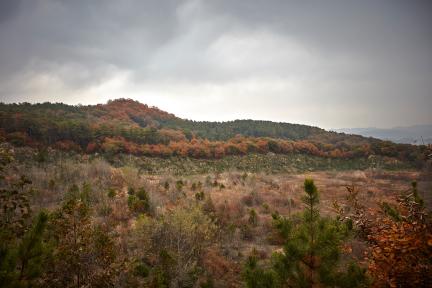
x=311, y=251
x=32, y=250
x=22, y=246
x=257, y=277
x=84, y=253
x=21, y=259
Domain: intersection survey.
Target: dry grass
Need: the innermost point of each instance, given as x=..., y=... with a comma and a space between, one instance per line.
x=233, y=195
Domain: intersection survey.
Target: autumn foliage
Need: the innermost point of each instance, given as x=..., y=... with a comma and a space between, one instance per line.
x=400, y=240
x=127, y=126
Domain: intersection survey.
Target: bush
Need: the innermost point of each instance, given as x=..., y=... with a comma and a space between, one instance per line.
x=253, y=217
x=199, y=196
x=111, y=193
x=139, y=203
x=179, y=185
x=175, y=242
x=142, y=270
x=131, y=191
x=166, y=185
x=257, y=277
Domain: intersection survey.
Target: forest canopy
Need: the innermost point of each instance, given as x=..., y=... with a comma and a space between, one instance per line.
x=127, y=126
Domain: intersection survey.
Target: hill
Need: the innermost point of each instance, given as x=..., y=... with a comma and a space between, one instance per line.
x=127, y=126
x=132, y=196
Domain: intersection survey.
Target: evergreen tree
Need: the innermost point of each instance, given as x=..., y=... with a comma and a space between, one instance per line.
x=311, y=251
x=140, y=201
x=257, y=277
x=21, y=259
x=32, y=250
x=84, y=254
x=22, y=248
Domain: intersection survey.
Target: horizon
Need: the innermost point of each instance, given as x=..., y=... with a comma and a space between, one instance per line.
x=215, y=143
x=331, y=129
x=331, y=65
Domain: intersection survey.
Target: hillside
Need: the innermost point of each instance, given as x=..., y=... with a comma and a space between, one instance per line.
x=127, y=126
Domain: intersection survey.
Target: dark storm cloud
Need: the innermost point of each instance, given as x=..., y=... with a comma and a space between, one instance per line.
x=327, y=63
x=89, y=33
x=8, y=9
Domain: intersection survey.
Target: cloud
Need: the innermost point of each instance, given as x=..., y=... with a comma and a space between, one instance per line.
x=331, y=64
x=8, y=9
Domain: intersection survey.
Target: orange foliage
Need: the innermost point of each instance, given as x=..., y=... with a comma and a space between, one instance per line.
x=218, y=151
x=92, y=147
x=202, y=148
x=172, y=135
x=401, y=253
x=262, y=145
x=306, y=147
x=125, y=108
x=400, y=240
x=67, y=145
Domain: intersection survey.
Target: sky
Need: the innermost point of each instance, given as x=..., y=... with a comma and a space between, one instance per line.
x=332, y=64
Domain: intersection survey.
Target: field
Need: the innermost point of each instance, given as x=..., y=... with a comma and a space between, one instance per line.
x=238, y=195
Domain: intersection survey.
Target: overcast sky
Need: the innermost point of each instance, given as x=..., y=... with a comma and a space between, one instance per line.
x=326, y=63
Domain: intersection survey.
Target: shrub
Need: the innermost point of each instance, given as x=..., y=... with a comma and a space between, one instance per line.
x=257, y=277
x=266, y=207
x=166, y=185
x=175, y=242
x=111, y=193
x=199, y=196
x=141, y=270
x=179, y=185
x=253, y=217
x=139, y=203
x=400, y=238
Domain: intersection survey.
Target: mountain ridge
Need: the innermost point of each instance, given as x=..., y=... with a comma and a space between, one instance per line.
x=128, y=126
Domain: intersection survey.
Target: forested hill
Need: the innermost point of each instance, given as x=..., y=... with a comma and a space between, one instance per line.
x=248, y=128
x=127, y=126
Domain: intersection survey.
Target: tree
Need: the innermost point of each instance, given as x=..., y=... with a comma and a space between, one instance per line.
x=139, y=202
x=172, y=245
x=311, y=251
x=21, y=259
x=22, y=246
x=84, y=254
x=399, y=238
x=257, y=277
x=32, y=250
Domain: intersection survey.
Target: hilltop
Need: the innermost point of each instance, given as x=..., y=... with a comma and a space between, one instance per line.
x=128, y=126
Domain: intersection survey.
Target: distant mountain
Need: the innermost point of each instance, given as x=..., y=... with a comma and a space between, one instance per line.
x=418, y=134
x=127, y=126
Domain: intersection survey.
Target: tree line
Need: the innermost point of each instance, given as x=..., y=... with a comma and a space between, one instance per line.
x=127, y=126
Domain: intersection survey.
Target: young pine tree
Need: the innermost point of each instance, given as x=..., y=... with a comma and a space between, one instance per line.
x=21, y=263
x=22, y=246
x=311, y=252
x=84, y=253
